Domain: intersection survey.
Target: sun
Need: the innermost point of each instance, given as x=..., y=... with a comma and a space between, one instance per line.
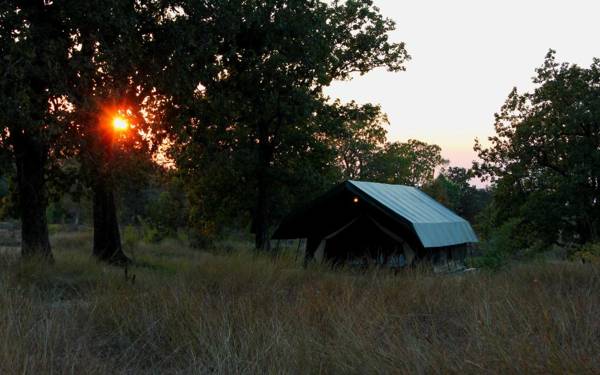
x=120, y=124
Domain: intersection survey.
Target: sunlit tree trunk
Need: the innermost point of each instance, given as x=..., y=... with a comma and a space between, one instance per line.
x=30, y=158
x=107, y=239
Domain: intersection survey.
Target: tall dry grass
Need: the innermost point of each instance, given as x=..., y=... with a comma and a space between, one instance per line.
x=191, y=312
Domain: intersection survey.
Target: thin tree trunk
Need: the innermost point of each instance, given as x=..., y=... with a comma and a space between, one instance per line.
x=31, y=157
x=261, y=209
x=261, y=238
x=107, y=239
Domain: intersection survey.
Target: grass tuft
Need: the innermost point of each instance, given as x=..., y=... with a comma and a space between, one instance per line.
x=195, y=312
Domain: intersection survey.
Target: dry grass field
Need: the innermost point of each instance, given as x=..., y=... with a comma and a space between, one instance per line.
x=194, y=312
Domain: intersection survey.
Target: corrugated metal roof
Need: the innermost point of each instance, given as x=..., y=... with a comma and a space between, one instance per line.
x=434, y=224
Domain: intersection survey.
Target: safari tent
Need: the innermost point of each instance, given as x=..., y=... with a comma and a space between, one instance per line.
x=387, y=224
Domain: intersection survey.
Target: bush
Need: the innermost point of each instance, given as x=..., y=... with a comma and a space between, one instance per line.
x=152, y=234
x=588, y=253
x=493, y=260
x=54, y=229
x=165, y=216
x=131, y=238
x=503, y=243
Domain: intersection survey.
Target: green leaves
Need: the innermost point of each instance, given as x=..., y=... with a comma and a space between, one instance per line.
x=408, y=163
x=236, y=84
x=545, y=157
x=262, y=112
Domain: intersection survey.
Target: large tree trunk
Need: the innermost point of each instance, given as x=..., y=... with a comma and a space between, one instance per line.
x=31, y=157
x=30, y=151
x=107, y=239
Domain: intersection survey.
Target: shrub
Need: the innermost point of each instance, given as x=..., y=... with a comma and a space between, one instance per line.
x=131, y=238
x=588, y=253
x=503, y=243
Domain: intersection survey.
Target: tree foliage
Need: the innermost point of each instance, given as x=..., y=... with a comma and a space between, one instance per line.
x=260, y=108
x=68, y=68
x=34, y=51
x=453, y=189
x=545, y=156
x=361, y=136
x=235, y=88
x=409, y=163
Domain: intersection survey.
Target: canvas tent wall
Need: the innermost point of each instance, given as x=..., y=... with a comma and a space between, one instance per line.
x=364, y=216
x=364, y=237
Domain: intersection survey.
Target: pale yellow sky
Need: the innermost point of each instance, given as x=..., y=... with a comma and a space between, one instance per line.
x=466, y=57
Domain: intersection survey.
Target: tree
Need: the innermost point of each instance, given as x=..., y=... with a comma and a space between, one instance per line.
x=33, y=46
x=71, y=67
x=360, y=138
x=3, y=187
x=452, y=188
x=410, y=163
x=446, y=192
x=459, y=176
x=544, y=158
x=6, y=177
x=422, y=158
x=275, y=57
x=218, y=175
x=117, y=53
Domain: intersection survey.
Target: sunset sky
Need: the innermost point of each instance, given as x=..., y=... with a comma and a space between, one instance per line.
x=466, y=57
